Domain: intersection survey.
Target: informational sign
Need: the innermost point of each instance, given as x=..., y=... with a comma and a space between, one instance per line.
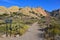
x=8, y=21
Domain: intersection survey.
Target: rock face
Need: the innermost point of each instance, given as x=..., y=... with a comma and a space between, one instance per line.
x=13, y=9
x=55, y=13
x=4, y=10
x=32, y=12
x=41, y=11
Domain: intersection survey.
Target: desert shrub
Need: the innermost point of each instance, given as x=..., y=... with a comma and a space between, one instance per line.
x=31, y=21
x=17, y=27
x=2, y=29
x=22, y=31
x=54, y=28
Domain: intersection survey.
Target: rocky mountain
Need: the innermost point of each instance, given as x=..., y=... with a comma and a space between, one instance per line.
x=4, y=10
x=32, y=12
x=55, y=13
x=13, y=9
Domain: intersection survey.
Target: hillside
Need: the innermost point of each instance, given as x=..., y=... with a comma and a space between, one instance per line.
x=31, y=12
x=17, y=20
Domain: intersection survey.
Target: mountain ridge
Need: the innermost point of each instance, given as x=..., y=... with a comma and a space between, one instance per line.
x=33, y=12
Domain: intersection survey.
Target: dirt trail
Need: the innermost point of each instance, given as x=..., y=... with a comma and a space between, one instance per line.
x=31, y=34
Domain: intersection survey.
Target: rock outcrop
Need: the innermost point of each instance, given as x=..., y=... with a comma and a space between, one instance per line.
x=32, y=12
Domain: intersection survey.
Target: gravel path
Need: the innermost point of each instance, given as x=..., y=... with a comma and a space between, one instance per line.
x=32, y=34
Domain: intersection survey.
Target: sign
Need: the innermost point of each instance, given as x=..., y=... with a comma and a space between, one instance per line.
x=8, y=20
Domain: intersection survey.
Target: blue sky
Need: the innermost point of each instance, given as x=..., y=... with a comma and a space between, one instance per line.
x=45, y=4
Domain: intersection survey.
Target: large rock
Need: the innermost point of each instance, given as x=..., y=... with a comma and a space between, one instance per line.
x=4, y=10
x=55, y=13
x=13, y=9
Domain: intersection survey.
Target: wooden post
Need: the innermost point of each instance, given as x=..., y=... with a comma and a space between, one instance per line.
x=6, y=30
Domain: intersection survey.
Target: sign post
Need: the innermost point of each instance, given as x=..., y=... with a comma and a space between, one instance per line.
x=8, y=21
